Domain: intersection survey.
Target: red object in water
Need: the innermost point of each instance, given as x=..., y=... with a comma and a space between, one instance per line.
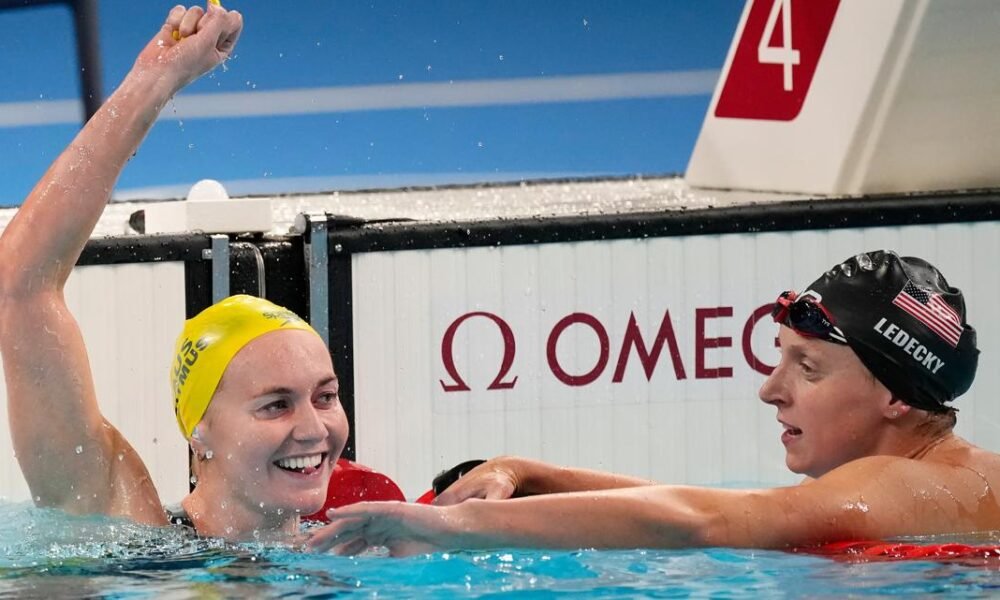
x=351, y=482
x=427, y=498
x=862, y=551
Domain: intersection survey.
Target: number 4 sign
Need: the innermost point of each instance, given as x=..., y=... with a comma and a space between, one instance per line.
x=775, y=59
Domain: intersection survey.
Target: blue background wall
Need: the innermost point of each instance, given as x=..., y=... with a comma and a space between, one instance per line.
x=324, y=43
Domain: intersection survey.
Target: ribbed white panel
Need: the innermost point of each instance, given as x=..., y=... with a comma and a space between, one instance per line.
x=130, y=316
x=687, y=430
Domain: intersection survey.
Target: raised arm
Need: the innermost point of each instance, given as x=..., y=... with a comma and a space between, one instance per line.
x=872, y=498
x=70, y=456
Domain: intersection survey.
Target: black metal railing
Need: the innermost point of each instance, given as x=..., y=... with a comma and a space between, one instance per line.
x=87, y=47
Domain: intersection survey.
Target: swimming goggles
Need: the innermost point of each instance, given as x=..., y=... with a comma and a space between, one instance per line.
x=807, y=317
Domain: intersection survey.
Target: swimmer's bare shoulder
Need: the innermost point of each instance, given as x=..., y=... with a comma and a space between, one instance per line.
x=947, y=490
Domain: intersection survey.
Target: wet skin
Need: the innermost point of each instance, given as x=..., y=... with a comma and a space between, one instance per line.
x=831, y=408
x=877, y=471
x=71, y=456
x=277, y=401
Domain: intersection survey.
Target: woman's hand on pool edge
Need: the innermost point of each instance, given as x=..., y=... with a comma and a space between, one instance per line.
x=403, y=528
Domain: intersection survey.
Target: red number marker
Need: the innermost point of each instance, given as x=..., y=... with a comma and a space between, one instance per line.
x=776, y=58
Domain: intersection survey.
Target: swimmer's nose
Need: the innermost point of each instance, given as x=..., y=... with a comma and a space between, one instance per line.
x=773, y=391
x=309, y=427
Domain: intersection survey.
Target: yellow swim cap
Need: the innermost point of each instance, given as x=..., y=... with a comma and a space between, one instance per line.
x=210, y=340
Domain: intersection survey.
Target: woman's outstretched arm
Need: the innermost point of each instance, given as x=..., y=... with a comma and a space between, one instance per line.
x=70, y=455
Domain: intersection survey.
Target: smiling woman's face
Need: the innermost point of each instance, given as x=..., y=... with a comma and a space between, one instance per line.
x=275, y=426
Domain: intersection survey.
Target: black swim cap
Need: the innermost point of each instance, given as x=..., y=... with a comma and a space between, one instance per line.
x=905, y=323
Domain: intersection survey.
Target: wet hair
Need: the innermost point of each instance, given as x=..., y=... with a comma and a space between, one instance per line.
x=906, y=325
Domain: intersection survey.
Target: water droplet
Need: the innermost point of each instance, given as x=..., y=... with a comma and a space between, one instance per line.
x=194, y=480
x=121, y=456
x=400, y=76
x=79, y=449
x=501, y=57
x=209, y=454
x=190, y=146
x=229, y=530
x=261, y=505
x=281, y=511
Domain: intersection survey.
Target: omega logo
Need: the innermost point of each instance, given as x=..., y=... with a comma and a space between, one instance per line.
x=632, y=344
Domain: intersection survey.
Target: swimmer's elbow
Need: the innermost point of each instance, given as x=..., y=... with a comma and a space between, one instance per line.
x=680, y=517
x=708, y=528
x=706, y=517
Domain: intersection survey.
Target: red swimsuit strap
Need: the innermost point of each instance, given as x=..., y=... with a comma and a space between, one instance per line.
x=874, y=550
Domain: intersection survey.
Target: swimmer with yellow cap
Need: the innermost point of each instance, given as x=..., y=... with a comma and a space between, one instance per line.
x=210, y=340
x=253, y=385
x=256, y=395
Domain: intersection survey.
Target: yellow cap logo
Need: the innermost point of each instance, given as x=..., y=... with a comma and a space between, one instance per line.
x=209, y=342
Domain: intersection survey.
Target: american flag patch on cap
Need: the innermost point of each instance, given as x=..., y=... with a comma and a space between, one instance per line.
x=930, y=309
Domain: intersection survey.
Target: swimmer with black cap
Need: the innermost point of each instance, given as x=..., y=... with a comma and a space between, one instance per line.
x=872, y=354
x=254, y=388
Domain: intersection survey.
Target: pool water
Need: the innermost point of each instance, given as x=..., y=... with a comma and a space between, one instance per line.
x=47, y=554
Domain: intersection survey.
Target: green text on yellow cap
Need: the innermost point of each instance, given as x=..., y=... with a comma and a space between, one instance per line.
x=210, y=340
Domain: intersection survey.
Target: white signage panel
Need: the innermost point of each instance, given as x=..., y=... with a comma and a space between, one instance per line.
x=642, y=356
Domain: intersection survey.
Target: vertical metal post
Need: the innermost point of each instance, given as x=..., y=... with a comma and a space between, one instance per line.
x=220, y=267
x=319, y=284
x=88, y=51
x=88, y=54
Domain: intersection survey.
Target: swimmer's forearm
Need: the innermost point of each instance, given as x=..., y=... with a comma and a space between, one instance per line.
x=50, y=230
x=646, y=517
x=537, y=477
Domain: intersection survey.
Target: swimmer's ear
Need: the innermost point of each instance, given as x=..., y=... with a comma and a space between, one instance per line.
x=198, y=442
x=896, y=408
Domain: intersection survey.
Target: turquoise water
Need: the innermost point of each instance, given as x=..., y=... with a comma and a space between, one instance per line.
x=47, y=554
